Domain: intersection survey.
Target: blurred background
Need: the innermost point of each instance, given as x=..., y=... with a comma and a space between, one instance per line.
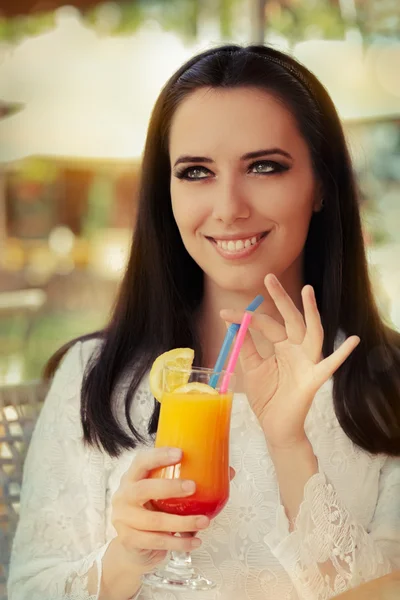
x=77, y=85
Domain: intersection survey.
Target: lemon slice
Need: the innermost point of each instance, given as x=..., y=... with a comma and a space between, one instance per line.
x=179, y=358
x=196, y=388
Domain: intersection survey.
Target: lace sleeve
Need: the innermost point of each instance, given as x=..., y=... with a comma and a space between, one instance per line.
x=326, y=535
x=61, y=530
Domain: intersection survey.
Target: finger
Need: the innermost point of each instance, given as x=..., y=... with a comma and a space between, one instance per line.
x=149, y=520
x=249, y=357
x=326, y=368
x=159, y=489
x=314, y=337
x=294, y=322
x=148, y=460
x=270, y=329
x=149, y=540
x=232, y=473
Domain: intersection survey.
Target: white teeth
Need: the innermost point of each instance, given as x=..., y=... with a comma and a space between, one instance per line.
x=237, y=245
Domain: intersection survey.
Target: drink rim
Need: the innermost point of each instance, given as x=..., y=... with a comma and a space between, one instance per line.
x=205, y=370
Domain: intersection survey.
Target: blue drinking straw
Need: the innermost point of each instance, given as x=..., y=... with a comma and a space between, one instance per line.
x=230, y=336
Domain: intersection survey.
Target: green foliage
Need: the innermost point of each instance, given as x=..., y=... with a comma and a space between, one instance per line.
x=37, y=170
x=52, y=331
x=381, y=19
x=14, y=30
x=307, y=19
x=49, y=332
x=132, y=15
x=179, y=16
x=226, y=11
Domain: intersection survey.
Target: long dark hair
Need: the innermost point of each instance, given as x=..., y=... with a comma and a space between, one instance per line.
x=163, y=286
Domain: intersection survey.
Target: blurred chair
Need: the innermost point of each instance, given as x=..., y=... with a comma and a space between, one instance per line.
x=18, y=311
x=19, y=408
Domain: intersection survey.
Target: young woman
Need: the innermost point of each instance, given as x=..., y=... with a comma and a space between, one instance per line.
x=247, y=188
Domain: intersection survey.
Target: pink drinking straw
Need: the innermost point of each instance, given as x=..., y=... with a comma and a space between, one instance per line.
x=235, y=352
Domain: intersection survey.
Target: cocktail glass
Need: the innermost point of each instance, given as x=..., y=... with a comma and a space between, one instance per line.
x=198, y=423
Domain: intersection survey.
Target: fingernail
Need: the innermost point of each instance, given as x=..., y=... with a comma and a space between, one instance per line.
x=175, y=453
x=273, y=280
x=188, y=486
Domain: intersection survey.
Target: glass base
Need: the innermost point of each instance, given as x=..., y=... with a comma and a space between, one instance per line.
x=172, y=579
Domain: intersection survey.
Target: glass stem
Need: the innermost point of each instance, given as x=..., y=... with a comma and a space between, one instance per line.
x=180, y=563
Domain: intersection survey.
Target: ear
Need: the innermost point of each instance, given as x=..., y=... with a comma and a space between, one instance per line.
x=318, y=205
x=318, y=198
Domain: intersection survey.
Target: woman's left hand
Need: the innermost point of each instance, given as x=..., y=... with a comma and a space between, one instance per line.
x=281, y=387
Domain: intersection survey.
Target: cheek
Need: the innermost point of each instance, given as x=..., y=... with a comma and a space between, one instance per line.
x=188, y=212
x=289, y=202
x=293, y=228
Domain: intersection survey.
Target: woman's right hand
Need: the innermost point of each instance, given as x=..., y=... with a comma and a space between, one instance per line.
x=146, y=534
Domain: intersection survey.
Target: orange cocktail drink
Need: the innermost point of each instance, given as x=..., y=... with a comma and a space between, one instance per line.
x=194, y=417
x=198, y=423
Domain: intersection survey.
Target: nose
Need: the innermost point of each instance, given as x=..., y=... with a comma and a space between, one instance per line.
x=230, y=202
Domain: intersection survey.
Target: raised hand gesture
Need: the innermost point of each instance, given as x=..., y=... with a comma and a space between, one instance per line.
x=281, y=387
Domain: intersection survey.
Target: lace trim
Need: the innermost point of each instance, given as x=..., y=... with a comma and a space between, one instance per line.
x=321, y=553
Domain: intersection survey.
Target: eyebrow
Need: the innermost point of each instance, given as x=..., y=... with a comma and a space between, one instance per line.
x=186, y=158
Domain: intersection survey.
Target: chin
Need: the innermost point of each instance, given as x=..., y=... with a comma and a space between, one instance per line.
x=241, y=283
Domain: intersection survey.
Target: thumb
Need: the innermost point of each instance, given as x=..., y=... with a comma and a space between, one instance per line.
x=249, y=357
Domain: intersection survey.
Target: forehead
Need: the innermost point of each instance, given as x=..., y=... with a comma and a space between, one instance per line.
x=236, y=119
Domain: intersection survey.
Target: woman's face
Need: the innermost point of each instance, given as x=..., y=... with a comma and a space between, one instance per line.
x=242, y=186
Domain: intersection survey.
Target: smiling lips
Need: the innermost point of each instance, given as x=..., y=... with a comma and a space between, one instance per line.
x=237, y=247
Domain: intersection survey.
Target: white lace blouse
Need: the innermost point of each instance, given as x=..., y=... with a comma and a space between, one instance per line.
x=350, y=514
